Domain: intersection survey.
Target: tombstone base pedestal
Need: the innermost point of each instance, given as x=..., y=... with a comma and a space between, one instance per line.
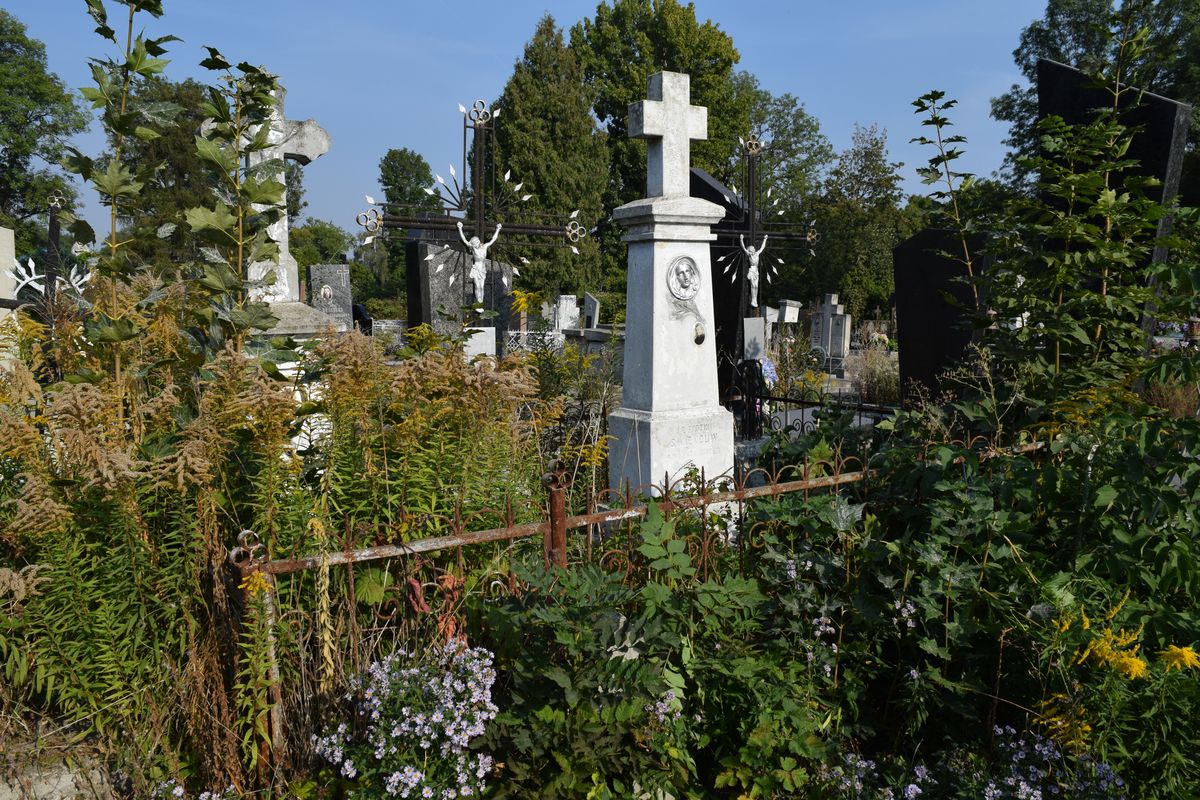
x=301, y=321
x=649, y=446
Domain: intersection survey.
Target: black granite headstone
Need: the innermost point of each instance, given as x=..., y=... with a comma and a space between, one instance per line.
x=933, y=299
x=1159, y=144
x=439, y=288
x=932, y=326
x=728, y=310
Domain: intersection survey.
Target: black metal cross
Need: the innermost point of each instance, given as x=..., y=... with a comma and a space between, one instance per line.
x=753, y=222
x=489, y=204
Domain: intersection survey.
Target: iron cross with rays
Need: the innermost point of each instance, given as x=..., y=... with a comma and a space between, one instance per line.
x=755, y=226
x=477, y=213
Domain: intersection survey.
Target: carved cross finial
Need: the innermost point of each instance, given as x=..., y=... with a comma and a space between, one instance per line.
x=670, y=122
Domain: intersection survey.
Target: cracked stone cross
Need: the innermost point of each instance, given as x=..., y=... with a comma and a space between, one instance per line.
x=669, y=120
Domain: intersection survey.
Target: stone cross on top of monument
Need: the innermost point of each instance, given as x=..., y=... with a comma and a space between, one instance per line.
x=670, y=122
x=288, y=140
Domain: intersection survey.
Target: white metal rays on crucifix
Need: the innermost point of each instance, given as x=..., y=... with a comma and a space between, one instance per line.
x=476, y=213
x=756, y=222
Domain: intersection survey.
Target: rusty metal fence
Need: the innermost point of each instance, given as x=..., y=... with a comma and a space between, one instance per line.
x=729, y=494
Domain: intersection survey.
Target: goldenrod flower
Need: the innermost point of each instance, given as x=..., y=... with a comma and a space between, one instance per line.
x=1131, y=667
x=254, y=584
x=1179, y=657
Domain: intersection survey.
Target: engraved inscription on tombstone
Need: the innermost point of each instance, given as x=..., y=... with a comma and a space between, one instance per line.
x=331, y=292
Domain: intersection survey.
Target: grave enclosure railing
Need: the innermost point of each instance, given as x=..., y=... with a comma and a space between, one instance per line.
x=250, y=566
x=729, y=495
x=760, y=410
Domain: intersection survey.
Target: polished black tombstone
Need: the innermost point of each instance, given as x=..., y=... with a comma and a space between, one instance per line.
x=439, y=287
x=1158, y=145
x=931, y=299
x=933, y=305
x=1162, y=123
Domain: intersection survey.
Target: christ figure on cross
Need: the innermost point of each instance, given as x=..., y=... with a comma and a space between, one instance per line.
x=479, y=264
x=752, y=256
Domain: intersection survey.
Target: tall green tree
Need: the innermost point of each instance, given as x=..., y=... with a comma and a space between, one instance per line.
x=860, y=219
x=795, y=155
x=293, y=178
x=181, y=181
x=549, y=139
x=630, y=40
x=318, y=242
x=404, y=175
x=37, y=115
x=1077, y=32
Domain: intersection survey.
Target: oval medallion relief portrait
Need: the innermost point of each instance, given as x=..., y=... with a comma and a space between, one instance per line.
x=683, y=278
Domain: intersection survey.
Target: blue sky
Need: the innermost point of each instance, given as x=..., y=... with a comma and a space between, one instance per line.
x=392, y=73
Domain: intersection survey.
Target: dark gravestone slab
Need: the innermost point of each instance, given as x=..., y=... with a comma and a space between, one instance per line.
x=1159, y=144
x=931, y=306
x=331, y=292
x=728, y=303
x=440, y=286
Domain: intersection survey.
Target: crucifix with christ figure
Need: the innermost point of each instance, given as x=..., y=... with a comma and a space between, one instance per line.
x=476, y=212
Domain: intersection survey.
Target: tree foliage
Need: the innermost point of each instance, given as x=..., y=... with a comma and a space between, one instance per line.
x=795, y=155
x=318, y=242
x=859, y=218
x=548, y=138
x=293, y=179
x=627, y=42
x=181, y=180
x=1076, y=32
x=404, y=176
x=37, y=115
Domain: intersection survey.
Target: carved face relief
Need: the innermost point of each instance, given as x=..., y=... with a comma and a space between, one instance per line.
x=683, y=278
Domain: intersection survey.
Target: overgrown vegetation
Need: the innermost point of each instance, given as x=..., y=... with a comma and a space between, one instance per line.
x=1004, y=606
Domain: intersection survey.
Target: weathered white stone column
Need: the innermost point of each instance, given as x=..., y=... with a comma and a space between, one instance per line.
x=670, y=419
x=8, y=262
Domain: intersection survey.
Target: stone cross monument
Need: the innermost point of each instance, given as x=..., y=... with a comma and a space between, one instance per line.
x=290, y=140
x=670, y=420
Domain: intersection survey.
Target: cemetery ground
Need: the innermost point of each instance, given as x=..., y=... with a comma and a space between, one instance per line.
x=240, y=565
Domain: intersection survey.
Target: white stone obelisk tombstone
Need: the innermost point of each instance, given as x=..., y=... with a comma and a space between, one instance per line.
x=670, y=420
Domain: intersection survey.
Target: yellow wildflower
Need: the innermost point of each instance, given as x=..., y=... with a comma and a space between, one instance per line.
x=1130, y=666
x=1112, y=612
x=254, y=584
x=1179, y=658
x=1065, y=721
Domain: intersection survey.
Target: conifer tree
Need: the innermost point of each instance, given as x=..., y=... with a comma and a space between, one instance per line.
x=548, y=138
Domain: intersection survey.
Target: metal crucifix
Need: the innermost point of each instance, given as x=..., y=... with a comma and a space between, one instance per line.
x=755, y=221
x=477, y=214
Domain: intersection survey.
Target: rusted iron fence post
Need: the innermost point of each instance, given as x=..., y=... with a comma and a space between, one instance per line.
x=248, y=558
x=557, y=482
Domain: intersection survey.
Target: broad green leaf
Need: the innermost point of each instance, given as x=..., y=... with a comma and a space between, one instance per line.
x=110, y=331
x=116, y=181
x=371, y=585
x=1105, y=496
x=218, y=219
x=253, y=316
